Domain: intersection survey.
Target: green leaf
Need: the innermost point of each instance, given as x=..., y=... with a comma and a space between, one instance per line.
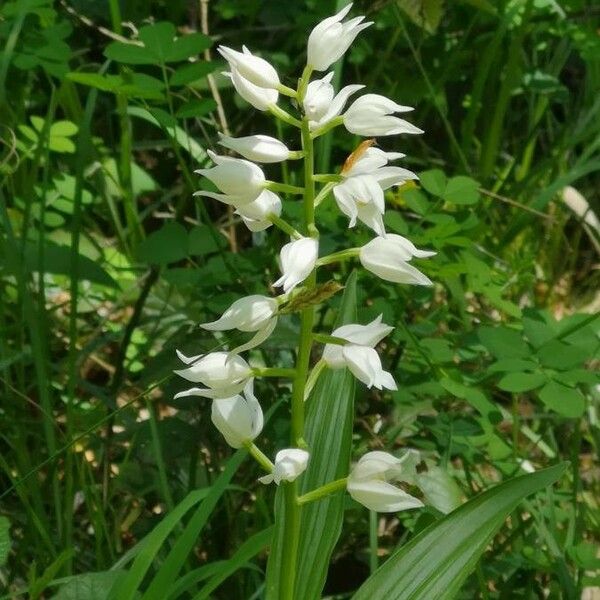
x=462, y=190
x=126, y=588
x=506, y=365
x=329, y=419
x=192, y=72
x=63, y=128
x=88, y=586
x=564, y=400
x=158, y=39
x=129, y=54
x=424, y=13
x=437, y=561
x=201, y=242
x=503, y=342
x=521, y=382
x=168, y=244
x=169, y=570
x=433, y=181
x=4, y=540
x=245, y=552
x=61, y=144
x=57, y=260
x=558, y=355
x=474, y=396
x=196, y=108
x=187, y=46
x=176, y=133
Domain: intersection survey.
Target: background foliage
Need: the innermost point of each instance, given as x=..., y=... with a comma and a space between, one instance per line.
x=108, y=265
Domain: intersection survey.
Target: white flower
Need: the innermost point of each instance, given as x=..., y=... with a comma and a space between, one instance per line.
x=259, y=148
x=368, y=482
x=238, y=418
x=360, y=195
x=289, y=464
x=298, y=259
x=255, y=214
x=246, y=314
x=387, y=257
x=251, y=313
x=240, y=180
x=321, y=104
x=253, y=68
x=371, y=115
x=260, y=98
x=224, y=374
x=359, y=354
x=331, y=38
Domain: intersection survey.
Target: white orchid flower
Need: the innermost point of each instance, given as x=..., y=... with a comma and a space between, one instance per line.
x=252, y=314
x=387, y=257
x=223, y=374
x=331, y=38
x=321, y=104
x=258, y=97
x=360, y=195
x=369, y=481
x=258, y=148
x=298, y=259
x=238, y=418
x=372, y=115
x=289, y=464
x=359, y=354
x=254, y=69
x=240, y=180
x=256, y=214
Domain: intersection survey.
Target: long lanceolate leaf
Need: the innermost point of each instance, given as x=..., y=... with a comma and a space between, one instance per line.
x=328, y=432
x=128, y=587
x=437, y=561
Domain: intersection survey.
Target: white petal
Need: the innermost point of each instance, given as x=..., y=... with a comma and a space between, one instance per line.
x=381, y=496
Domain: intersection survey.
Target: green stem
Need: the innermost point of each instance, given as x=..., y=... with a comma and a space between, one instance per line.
x=291, y=525
x=284, y=226
x=325, y=191
x=325, y=490
x=328, y=178
x=285, y=188
x=274, y=372
x=259, y=456
x=286, y=91
x=323, y=338
x=338, y=256
x=327, y=127
x=284, y=116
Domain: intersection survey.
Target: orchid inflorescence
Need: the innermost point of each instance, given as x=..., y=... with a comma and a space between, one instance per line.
x=359, y=191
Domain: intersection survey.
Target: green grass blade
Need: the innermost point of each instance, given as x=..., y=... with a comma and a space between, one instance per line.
x=246, y=551
x=436, y=562
x=329, y=419
x=161, y=584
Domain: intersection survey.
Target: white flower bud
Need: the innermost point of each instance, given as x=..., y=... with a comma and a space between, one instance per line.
x=256, y=213
x=371, y=115
x=259, y=148
x=289, y=464
x=236, y=177
x=250, y=313
x=368, y=482
x=238, y=418
x=298, y=259
x=359, y=355
x=331, y=38
x=253, y=68
x=224, y=374
x=260, y=98
x=387, y=257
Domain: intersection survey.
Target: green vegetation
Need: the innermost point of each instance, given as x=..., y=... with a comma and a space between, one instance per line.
x=112, y=489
